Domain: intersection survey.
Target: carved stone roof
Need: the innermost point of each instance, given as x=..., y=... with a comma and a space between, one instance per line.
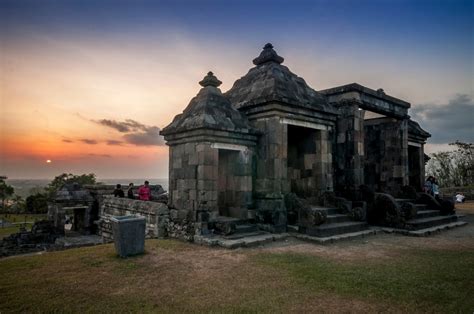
x=415, y=129
x=271, y=81
x=209, y=109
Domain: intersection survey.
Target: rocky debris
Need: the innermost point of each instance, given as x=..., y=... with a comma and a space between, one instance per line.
x=42, y=236
x=184, y=230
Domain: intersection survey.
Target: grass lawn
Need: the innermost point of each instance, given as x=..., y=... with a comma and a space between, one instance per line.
x=5, y=232
x=14, y=218
x=383, y=275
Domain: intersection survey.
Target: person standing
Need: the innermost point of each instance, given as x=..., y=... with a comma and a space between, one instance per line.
x=118, y=192
x=144, y=192
x=130, y=191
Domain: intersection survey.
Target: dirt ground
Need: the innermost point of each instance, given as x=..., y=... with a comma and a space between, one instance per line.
x=179, y=277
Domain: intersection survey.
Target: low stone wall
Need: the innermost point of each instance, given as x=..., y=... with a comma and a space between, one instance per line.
x=156, y=215
x=451, y=192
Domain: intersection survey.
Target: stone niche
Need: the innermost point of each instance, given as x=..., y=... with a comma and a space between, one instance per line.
x=212, y=149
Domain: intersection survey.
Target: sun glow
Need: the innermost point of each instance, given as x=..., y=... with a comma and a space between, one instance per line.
x=48, y=161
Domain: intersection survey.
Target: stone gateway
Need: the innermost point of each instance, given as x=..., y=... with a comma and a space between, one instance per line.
x=274, y=154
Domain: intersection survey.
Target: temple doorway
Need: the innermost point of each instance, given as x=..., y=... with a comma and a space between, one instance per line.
x=302, y=160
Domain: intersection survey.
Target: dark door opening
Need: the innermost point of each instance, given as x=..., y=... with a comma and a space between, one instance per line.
x=232, y=191
x=414, y=167
x=302, y=160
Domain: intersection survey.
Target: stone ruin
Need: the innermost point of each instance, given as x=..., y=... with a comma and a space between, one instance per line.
x=89, y=209
x=274, y=154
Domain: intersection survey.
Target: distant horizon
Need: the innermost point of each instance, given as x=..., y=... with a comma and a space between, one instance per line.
x=97, y=178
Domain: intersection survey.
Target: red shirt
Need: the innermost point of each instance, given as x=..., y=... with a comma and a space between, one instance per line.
x=144, y=193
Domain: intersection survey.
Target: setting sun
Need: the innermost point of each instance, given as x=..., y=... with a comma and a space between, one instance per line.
x=48, y=161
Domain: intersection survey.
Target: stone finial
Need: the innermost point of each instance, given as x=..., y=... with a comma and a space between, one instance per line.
x=210, y=80
x=268, y=55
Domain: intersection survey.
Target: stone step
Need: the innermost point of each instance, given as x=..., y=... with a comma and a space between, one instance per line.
x=426, y=213
x=335, y=238
x=404, y=200
x=422, y=223
x=247, y=228
x=421, y=206
x=225, y=219
x=326, y=230
x=236, y=236
x=425, y=231
x=328, y=210
x=337, y=218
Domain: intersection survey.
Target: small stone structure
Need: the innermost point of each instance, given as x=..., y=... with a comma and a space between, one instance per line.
x=234, y=156
x=74, y=201
x=92, y=206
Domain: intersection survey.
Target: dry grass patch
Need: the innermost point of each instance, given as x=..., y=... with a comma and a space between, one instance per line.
x=178, y=277
x=465, y=208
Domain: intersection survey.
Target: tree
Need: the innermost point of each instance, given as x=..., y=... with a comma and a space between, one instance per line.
x=453, y=168
x=5, y=192
x=464, y=160
x=37, y=203
x=18, y=205
x=67, y=178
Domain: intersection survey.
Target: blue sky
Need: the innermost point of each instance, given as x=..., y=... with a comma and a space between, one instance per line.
x=75, y=62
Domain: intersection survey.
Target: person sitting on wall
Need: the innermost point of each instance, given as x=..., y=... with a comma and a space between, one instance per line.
x=460, y=198
x=428, y=187
x=118, y=192
x=130, y=191
x=435, y=188
x=144, y=192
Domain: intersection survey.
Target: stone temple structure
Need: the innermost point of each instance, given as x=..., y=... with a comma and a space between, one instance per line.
x=235, y=156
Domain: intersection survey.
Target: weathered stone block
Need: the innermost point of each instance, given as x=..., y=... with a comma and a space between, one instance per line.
x=129, y=235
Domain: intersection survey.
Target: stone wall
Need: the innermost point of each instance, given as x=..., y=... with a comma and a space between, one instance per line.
x=156, y=215
x=350, y=148
x=386, y=146
x=234, y=183
x=309, y=161
x=193, y=179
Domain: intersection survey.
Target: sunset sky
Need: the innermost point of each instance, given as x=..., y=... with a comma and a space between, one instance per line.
x=88, y=84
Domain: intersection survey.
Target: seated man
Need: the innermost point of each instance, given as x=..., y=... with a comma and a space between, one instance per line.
x=460, y=198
